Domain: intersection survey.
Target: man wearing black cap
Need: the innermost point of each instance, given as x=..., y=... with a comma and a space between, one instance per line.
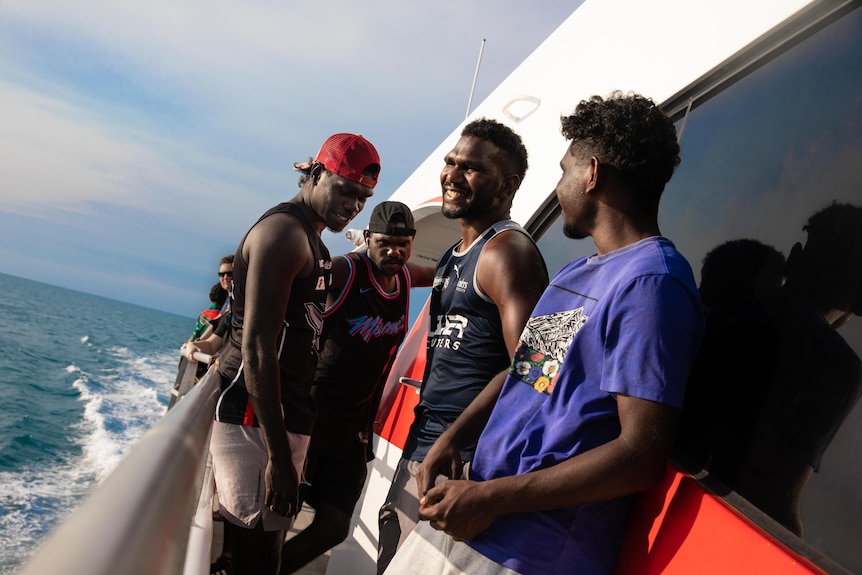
x=264, y=414
x=364, y=324
x=365, y=321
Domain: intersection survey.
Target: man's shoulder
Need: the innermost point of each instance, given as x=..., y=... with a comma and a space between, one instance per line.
x=281, y=225
x=354, y=258
x=280, y=246
x=663, y=258
x=508, y=246
x=274, y=217
x=655, y=254
x=505, y=225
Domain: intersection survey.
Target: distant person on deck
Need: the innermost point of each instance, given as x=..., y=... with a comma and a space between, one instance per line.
x=225, y=279
x=366, y=319
x=219, y=296
x=485, y=286
x=587, y=414
x=264, y=414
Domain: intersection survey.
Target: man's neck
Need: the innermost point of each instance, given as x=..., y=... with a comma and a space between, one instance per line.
x=313, y=218
x=616, y=229
x=385, y=281
x=472, y=229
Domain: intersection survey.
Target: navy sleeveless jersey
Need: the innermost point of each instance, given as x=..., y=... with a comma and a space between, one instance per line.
x=362, y=330
x=297, y=342
x=465, y=344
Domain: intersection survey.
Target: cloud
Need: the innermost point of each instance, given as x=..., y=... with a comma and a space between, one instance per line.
x=49, y=153
x=149, y=136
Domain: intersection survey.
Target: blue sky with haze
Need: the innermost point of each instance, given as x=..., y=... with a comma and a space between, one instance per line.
x=139, y=141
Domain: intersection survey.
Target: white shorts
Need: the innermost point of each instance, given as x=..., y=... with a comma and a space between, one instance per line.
x=239, y=467
x=427, y=551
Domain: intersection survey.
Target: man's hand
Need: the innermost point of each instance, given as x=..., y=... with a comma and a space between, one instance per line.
x=457, y=508
x=188, y=350
x=442, y=459
x=282, y=487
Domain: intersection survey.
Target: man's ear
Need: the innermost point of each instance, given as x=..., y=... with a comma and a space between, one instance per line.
x=596, y=173
x=316, y=171
x=512, y=183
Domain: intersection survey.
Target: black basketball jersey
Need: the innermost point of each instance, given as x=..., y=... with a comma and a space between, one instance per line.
x=297, y=342
x=362, y=331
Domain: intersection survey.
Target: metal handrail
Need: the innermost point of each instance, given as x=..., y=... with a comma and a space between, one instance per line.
x=137, y=522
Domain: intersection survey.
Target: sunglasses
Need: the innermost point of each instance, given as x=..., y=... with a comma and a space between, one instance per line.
x=228, y=274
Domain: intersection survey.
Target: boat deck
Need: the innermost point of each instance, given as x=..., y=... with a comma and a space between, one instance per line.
x=316, y=567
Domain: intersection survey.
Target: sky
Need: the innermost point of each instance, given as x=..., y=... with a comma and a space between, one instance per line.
x=140, y=141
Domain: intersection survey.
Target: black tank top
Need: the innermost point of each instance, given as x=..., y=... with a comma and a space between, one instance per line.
x=465, y=344
x=297, y=342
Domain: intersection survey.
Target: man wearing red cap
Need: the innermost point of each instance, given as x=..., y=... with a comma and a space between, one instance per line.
x=264, y=413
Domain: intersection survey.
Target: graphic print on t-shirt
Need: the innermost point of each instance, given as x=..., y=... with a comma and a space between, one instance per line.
x=543, y=346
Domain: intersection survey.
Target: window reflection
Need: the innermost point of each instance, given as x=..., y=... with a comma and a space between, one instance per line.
x=774, y=380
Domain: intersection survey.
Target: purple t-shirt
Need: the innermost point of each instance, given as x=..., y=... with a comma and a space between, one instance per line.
x=628, y=322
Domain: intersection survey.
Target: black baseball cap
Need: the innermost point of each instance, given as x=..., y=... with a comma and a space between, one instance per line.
x=381, y=221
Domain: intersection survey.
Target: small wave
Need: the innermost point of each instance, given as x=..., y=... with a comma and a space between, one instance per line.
x=120, y=405
x=32, y=503
x=101, y=452
x=99, y=389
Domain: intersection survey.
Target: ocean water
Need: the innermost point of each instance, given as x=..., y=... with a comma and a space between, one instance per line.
x=82, y=378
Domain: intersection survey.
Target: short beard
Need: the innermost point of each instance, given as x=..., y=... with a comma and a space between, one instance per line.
x=381, y=270
x=457, y=213
x=570, y=231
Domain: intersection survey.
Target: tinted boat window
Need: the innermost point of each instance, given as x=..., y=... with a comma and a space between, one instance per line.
x=773, y=408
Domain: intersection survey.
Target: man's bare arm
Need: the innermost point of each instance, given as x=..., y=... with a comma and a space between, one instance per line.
x=277, y=252
x=340, y=273
x=421, y=275
x=209, y=345
x=512, y=273
x=630, y=463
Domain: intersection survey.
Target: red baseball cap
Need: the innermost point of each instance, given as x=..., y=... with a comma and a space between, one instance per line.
x=350, y=156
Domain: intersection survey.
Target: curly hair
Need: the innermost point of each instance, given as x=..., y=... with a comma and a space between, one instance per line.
x=504, y=138
x=629, y=133
x=306, y=170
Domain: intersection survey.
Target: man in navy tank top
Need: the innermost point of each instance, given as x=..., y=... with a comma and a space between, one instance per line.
x=484, y=289
x=264, y=414
x=365, y=321
x=587, y=415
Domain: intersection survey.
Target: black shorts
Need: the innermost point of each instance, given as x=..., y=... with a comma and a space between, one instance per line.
x=336, y=481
